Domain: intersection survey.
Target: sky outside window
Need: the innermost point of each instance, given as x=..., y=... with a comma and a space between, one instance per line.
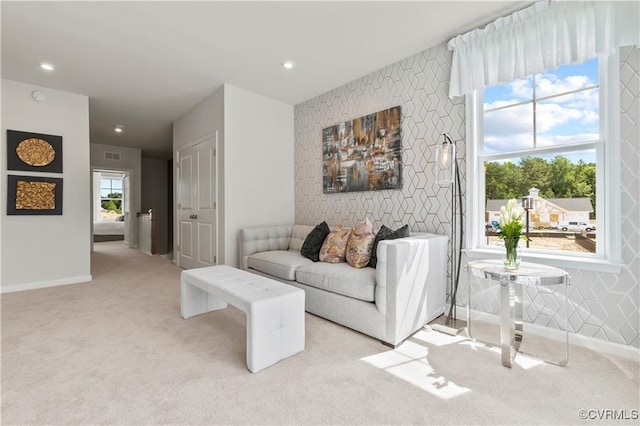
x=567, y=111
x=110, y=186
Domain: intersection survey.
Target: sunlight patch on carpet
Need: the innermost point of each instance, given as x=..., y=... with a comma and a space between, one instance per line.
x=409, y=363
x=522, y=360
x=435, y=338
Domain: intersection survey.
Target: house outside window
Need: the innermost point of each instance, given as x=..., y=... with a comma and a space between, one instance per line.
x=547, y=137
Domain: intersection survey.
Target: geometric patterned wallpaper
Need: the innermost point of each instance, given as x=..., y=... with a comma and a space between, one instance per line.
x=602, y=305
x=419, y=85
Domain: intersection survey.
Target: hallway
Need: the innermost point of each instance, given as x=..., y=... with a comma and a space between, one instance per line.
x=112, y=260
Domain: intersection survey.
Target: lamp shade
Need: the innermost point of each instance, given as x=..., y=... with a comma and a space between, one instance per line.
x=445, y=163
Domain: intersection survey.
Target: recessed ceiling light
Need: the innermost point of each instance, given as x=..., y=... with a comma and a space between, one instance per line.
x=47, y=67
x=288, y=64
x=118, y=128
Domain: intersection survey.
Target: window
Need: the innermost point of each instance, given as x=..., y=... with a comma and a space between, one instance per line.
x=547, y=137
x=111, y=197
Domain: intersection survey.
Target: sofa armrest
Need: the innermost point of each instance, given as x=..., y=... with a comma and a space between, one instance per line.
x=411, y=282
x=262, y=238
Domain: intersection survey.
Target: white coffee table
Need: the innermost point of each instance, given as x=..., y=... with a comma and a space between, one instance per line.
x=275, y=311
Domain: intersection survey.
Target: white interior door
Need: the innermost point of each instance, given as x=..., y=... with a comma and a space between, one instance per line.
x=197, y=224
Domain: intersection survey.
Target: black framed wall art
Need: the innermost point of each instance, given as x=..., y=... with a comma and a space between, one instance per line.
x=34, y=152
x=34, y=195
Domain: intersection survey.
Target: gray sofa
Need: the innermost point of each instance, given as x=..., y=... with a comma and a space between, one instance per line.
x=390, y=302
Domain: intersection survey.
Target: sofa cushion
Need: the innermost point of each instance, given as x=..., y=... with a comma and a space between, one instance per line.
x=264, y=238
x=339, y=278
x=313, y=243
x=279, y=263
x=298, y=235
x=334, y=248
x=386, y=234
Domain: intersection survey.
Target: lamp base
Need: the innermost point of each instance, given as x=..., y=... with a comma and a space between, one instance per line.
x=447, y=325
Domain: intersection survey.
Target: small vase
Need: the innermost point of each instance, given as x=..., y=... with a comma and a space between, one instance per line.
x=510, y=255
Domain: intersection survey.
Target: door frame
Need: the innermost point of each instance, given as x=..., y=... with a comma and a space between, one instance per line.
x=176, y=221
x=122, y=170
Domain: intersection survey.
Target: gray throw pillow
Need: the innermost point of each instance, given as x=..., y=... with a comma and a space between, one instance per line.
x=313, y=243
x=386, y=234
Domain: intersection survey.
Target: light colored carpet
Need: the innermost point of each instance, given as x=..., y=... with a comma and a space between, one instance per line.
x=116, y=351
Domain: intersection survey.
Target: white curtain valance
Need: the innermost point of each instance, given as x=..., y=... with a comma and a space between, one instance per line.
x=542, y=36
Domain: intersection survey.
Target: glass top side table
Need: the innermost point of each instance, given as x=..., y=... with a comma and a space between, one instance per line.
x=511, y=283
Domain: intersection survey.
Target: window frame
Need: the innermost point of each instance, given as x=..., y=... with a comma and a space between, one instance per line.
x=111, y=191
x=608, y=249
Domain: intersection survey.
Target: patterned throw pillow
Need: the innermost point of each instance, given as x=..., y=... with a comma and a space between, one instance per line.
x=360, y=244
x=359, y=250
x=386, y=234
x=364, y=227
x=335, y=246
x=313, y=243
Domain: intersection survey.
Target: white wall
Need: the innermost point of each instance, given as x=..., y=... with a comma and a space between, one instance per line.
x=201, y=120
x=41, y=251
x=254, y=161
x=259, y=177
x=130, y=160
x=204, y=119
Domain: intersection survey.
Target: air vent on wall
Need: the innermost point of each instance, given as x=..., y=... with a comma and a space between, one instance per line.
x=112, y=156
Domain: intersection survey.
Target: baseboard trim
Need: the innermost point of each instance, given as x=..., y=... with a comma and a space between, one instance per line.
x=44, y=284
x=596, y=345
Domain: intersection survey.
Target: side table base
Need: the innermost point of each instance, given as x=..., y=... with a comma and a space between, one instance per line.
x=511, y=301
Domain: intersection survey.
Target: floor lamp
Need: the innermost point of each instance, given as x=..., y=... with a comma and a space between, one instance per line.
x=448, y=173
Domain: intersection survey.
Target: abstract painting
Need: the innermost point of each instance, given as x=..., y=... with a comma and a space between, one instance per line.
x=363, y=154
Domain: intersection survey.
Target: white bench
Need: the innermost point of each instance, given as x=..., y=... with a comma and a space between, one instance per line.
x=275, y=311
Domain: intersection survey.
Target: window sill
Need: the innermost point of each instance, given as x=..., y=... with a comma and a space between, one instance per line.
x=559, y=261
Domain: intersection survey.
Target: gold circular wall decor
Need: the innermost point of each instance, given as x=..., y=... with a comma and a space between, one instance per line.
x=35, y=152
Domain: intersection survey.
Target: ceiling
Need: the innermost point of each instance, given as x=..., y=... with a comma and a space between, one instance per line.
x=145, y=64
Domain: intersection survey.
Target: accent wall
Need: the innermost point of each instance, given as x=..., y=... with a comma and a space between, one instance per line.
x=603, y=305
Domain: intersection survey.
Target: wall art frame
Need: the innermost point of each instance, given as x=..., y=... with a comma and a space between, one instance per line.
x=363, y=154
x=34, y=152
x=34, y=195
